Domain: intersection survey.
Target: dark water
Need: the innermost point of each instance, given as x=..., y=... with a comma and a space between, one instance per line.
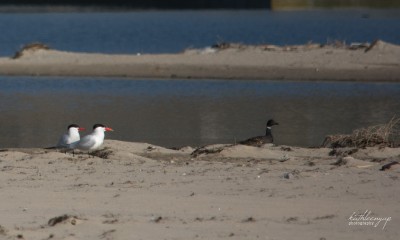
x=140, y=4
x=174, y=31
x=35, y=111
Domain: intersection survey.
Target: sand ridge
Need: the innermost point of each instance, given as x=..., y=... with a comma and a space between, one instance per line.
x=379, y=61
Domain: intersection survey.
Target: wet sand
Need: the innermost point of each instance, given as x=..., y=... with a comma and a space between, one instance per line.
x=142, y=191
x=376, y=62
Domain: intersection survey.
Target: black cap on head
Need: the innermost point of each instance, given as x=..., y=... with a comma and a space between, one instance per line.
x=73, y=125
x=271, y=122
x=98, y=125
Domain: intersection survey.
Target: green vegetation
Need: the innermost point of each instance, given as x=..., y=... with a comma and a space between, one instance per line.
x=296, y=4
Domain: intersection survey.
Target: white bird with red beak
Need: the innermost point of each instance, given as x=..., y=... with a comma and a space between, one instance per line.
x=71, y=137
x=93, y=140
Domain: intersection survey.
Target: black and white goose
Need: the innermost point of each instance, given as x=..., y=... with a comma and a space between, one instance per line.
x=261, y=140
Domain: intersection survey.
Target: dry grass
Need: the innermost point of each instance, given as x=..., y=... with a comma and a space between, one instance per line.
x=384, y=135
x=30, y=47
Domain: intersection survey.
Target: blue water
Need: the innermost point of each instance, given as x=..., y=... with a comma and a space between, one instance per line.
x=174, y=31
x=35, y=111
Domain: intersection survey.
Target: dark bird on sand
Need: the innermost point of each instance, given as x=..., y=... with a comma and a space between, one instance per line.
x=261, y=140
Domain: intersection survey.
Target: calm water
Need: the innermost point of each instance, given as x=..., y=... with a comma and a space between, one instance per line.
x=35, y=111
x=174, y=31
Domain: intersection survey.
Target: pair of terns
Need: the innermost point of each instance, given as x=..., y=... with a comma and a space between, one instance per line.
x=72, y=140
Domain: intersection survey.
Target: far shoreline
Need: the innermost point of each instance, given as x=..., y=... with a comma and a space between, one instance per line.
x=376, y=62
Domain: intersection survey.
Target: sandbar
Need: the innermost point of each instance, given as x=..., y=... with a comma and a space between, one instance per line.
x=379, y=61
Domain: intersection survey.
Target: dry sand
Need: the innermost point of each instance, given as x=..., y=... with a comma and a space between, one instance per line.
x=378, y=62
x=141, y=191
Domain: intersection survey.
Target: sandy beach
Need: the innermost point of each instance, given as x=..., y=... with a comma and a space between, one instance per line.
x=142, y=191
x=378, y=61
